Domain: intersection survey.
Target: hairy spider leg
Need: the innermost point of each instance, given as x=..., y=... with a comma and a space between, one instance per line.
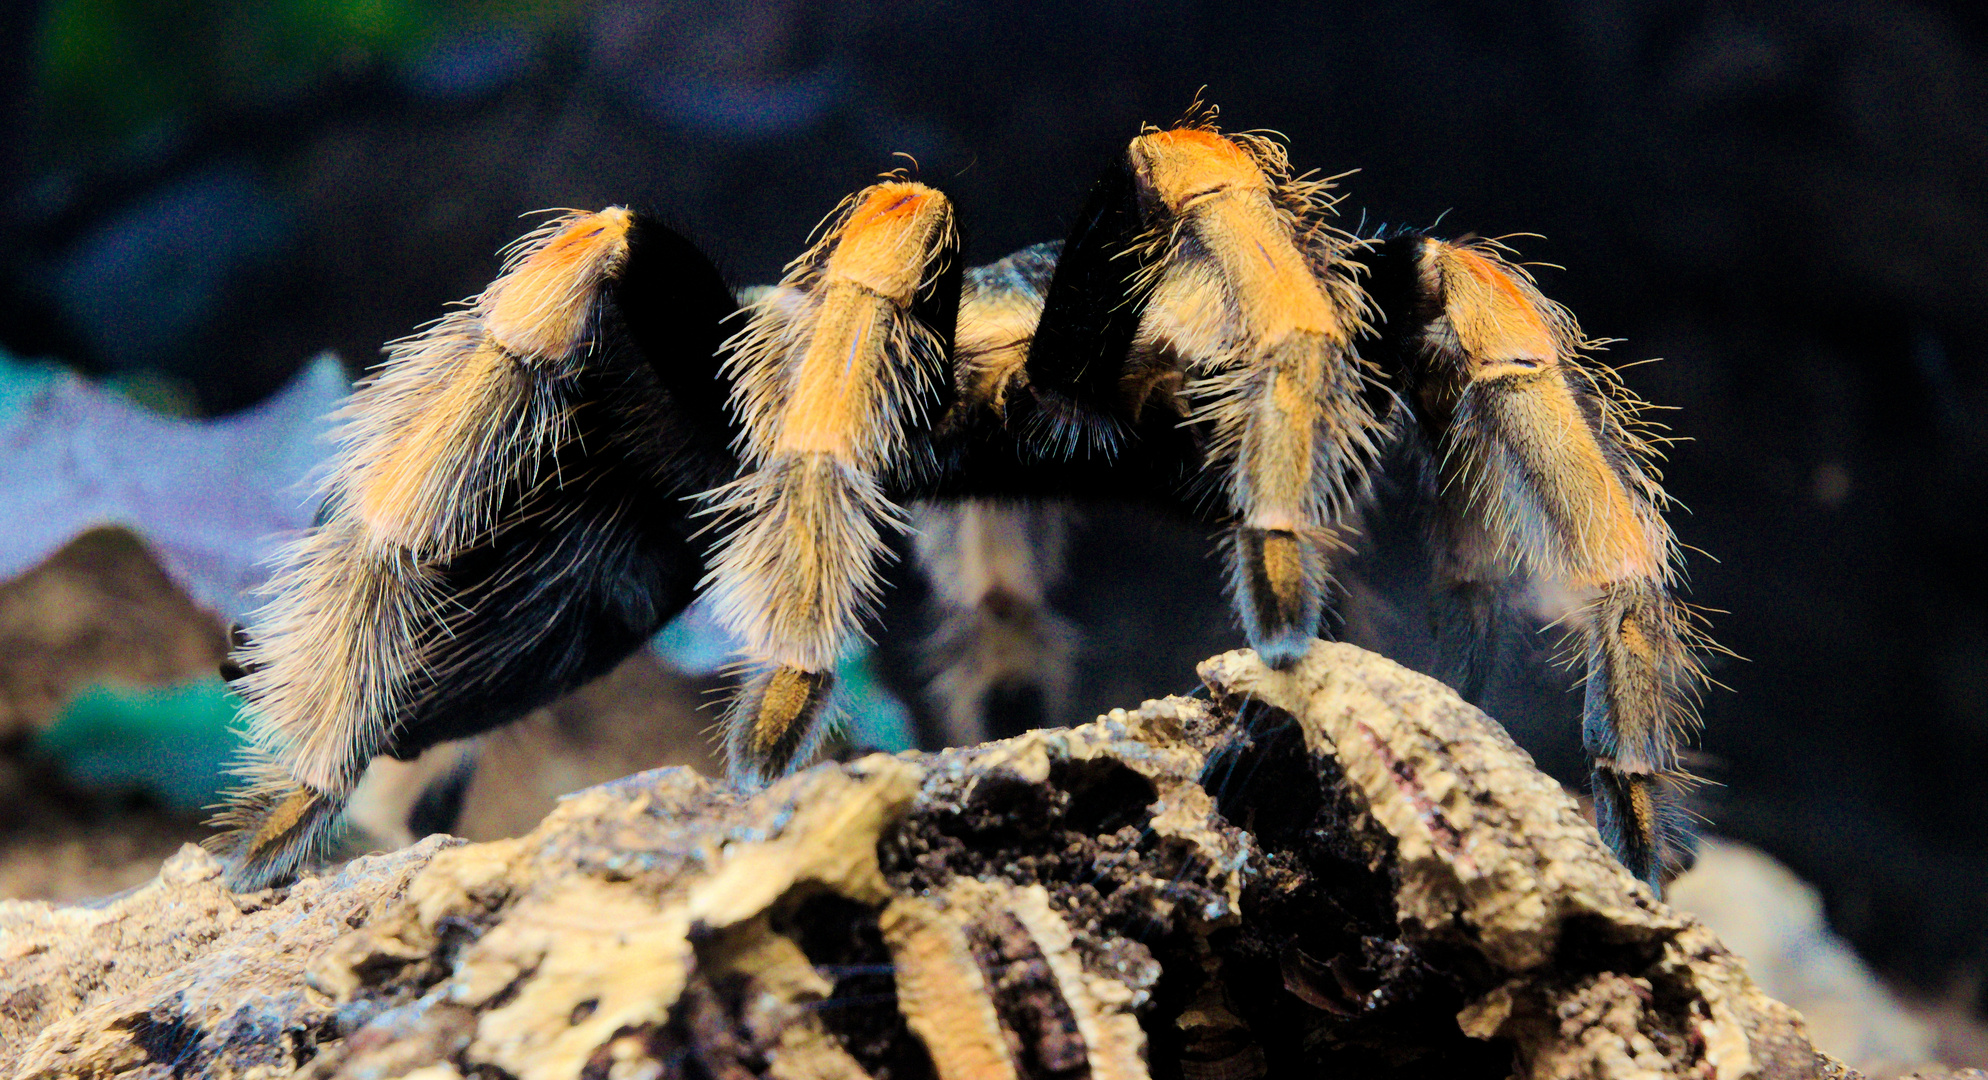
x=1543, y=472
x=505, y=518
x=1202, y=281
x=837, y=378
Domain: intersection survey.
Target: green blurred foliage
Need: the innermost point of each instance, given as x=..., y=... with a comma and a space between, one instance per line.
x=172, y=742
x=113, y=71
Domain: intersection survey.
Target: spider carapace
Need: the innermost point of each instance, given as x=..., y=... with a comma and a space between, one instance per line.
x=534, y=484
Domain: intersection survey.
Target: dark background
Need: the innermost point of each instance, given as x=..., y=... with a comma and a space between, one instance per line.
x=1785, y=202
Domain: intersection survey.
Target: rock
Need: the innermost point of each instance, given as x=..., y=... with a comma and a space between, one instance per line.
x=181, y=970
x=1338, y=870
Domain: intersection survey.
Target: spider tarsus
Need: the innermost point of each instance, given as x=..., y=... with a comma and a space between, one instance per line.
x=777, y=721
x=1278, y=580
x=1640, y=817
x=273, y=829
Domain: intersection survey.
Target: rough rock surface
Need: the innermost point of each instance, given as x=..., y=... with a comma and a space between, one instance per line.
x=1341, y=870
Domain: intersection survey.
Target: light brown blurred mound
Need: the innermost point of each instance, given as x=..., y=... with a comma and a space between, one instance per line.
x=99, y=610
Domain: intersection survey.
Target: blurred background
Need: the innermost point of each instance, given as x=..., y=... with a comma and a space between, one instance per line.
x=213, y=214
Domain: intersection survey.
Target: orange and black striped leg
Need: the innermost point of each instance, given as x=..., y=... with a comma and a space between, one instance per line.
x=1542, y=465
x=837, y=380
x=778, y=721
x=1279, y=580
x=506, y=517
x=1252, y=300
x=1641, y=678
x=1240, y=363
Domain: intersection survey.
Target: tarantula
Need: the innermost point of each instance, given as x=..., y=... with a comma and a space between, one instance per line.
x=535, y=483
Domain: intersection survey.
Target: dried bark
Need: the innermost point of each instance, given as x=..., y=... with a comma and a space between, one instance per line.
x=1342, y=870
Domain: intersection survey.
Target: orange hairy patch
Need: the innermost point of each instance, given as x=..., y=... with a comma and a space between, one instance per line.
x=1642, y=807
x=884, y=242
x=1225, y=197
x=1283, y=565
x=1606, y=532
x=790, y=695
x=1633, y=639
x=401, y=494
x=1494, y=317
x=1185, y=164
x=1278, y=454
x=880, y=257
x=286, y=816
x=541, y=306
x=1273, y=285
x=992, y=341
x=836, y=385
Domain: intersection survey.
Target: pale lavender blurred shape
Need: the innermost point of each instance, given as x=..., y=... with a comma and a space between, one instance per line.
x=212, y=498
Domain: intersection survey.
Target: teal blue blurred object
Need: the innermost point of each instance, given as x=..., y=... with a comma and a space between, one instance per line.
x=695, y=643
x=20, y=379
x=171, y=742
x=874, y=717
x=175, y=743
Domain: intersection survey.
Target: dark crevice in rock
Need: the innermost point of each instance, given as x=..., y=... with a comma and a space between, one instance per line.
x=1044, y=1042
x=701, y=1039
x=1105, y=795
x=1319, y=968
x=170, y=1040
x=841, y=939
x=1591, y=945
x=304, y=1042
